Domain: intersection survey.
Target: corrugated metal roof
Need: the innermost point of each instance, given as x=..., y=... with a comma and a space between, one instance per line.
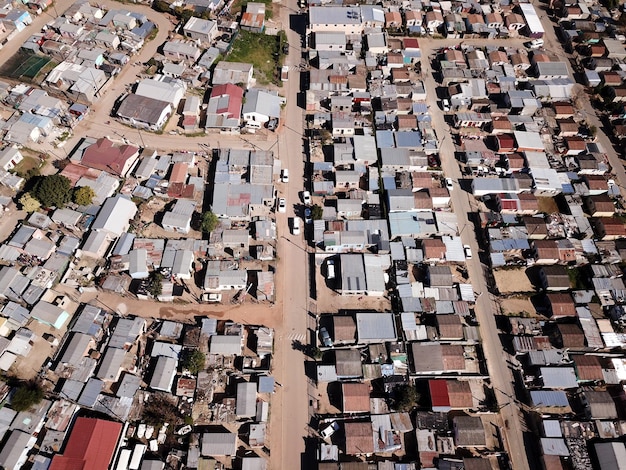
x=559, y=377
x=549, y=398
x=90, y=393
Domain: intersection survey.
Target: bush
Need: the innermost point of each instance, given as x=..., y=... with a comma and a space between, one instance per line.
x=317, y=212
x=83, y=196
x=29, y=203
x=407, y=398
x=26, y=396
x=53, y=191
x=155, y=286
x=194, y=361
x=209, y=222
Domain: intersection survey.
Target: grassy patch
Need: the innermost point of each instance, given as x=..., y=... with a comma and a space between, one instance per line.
x=153, y=34
x=260, y=50
x=28, y=167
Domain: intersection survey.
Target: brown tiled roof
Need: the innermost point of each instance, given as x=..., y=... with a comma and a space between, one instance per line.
x=433, y=248
x=575, y=143
x=612, y=226
x=571, y=335
x=450, y=326
x=422, y=179
x=588, y=367
x=546, y=249
x=562, y=305
x=356, y=397
x=460, y=394
x=422, y=200
x=344, y=329
x=359, y=438
x=452, y=356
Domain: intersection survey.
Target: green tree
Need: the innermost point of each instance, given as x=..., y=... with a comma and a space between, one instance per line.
x=29, y=203
x=317, y=212
x=83, y=195
x=194, y=361
x=407, y=397
x=53, y=191
x=155, y=285
x=27, y=395
x=209, y=222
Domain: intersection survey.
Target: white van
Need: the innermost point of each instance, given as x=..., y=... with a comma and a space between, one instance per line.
x=535, y=44
x=295, y=227
x=330, y=269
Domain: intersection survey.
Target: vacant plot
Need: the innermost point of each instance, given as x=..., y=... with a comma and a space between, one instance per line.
x=517, y=306
x=28, y=167
x=260, y=50
x=547, y=205
x=26, y=66
x=511, y=281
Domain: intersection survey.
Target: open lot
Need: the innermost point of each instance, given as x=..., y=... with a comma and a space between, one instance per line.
x=510, y=281
x=260, y=50
x=517, y=306
x=25, y=66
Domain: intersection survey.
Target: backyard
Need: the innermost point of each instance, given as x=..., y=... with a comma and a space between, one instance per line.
x=260, y=50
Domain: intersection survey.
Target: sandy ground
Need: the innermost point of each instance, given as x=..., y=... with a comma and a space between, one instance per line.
x=517, y=306
x=510, y=281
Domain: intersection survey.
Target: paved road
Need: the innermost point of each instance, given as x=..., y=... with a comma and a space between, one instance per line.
x=499, y=372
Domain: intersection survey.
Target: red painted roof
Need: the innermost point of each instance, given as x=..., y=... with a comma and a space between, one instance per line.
x=106, y=156
x=439, y=393
x=235, y=98
x=506, y=141
x=90, y=446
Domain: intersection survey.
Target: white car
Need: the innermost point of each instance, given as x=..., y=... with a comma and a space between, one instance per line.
x=306, y=197
x=449, y=185
x=282, y=205
x=285, y=176
x=330, y=430
x=534, y=44
x=295, y=226
x=468, y=251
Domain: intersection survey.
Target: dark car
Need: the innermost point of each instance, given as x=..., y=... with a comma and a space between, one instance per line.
x=325, y=337
x=307, y=215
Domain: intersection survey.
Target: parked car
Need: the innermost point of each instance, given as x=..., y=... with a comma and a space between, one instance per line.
x=295, y=226
x=308, y=215
x=282, y=205
x=306, y=197
x=330, y=430
x=468, y=251
x=325, y=337
x=330, y=269
x=285, y=176
x=212, y=298
x=534, y=44
x=445, y=105
x=449, y=184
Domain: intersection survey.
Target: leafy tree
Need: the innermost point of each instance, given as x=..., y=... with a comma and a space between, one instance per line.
x=161, y=6
x=407, y=398
x=161, y=409
x=29, y=203
x=317, y=212
x=155, y=285
x=209, y=222
x=27, y=395
x=83, y=195
x=53, y=191
x=194, y=361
